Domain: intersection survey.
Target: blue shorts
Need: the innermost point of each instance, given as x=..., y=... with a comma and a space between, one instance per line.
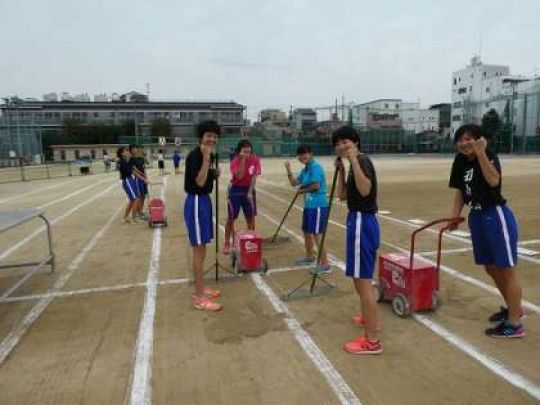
x=198, y=218
x=314, y=220
x=142, y=187
x=494, y=235
x=238, y=198
x=363, y=239
x=131, y=188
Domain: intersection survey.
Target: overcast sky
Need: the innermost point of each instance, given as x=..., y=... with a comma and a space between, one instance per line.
x=272, y=53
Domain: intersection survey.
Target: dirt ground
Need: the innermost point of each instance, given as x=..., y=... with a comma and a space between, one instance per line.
x=121, y=292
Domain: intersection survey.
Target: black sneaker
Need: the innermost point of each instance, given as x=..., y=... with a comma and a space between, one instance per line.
x=505, y=330
x=502, y=315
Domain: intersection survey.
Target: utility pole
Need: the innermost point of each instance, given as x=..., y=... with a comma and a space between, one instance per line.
x=524, y=137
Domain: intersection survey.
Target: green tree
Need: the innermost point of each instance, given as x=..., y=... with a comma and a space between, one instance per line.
x=161, y=127
x=491, y=124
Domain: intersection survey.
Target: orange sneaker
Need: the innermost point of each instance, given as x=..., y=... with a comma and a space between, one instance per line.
x=363, y=345
x=359, y=321
x=205, y=304
x=211, y=293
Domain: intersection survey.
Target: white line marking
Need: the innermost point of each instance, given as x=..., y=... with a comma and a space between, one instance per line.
x=91, y=290
x=70, y=195
x=490, y=363
x=141, y=386
x=445, y=251
x=11, y=340
x=59, y=218
x=529, y=242
x=340, y=387
x=495, y=366
x=35, y=191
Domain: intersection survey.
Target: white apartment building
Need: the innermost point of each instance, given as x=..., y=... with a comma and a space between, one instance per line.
x=476, y=89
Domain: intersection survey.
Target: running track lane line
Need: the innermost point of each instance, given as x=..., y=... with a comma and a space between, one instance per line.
x=340, y=387
x=406, y=223
x=338, y=384
x=11, y=340
x=495, y=366
x=35, y=191
x=141, y=383
x=450, y=271
x=121, y=287
x=54, y=221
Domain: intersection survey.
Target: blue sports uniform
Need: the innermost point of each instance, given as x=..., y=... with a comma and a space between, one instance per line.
x=198, y=205
x=139, y=164
x=363, y=232
x=315, y=202
x=494, y=232
x=129, y=183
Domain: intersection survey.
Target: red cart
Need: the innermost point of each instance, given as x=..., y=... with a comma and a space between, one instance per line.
x=409, y=281
x=246, y=255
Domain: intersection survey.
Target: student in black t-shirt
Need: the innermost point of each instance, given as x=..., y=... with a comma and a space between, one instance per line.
x=359, y=188
x=476, y=176
x=139, y=165
x=129, y=177
x=199, y=178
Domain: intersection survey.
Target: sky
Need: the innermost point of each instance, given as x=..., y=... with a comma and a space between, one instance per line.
x=263, y=54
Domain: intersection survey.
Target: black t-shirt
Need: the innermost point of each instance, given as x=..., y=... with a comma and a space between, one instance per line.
x=138, y=162
x=467, y=177
x=355, y=201
x=125, y=168
x=193, y=163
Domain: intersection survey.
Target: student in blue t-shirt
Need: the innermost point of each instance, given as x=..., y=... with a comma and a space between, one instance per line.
x=312, y=184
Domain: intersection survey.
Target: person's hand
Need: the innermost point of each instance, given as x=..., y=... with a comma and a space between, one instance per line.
x=206, y=150
x=352, y=152
x=479, y=145
x=454, y=226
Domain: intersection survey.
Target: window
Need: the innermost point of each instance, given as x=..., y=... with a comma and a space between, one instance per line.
x=470, y=88
x=93, y=154
x=62, y=155
x=77, y=154
x=462, y=90
x=397, y=106
x=488, y=89
x=456, y=118
x=457, y=104
x=385, y=105
x=455, y=81
x=485, y=74
x=487, y=105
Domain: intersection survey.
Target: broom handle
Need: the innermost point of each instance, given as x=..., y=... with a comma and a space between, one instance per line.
x=284, y=217
x=332, y=190
x=217, y=204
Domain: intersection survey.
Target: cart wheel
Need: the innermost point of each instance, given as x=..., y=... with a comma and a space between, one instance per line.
x=400, y=305
x=435, y=301
x=265, y=266
x=378, y=291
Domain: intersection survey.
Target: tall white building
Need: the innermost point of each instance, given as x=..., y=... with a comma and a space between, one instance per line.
x=476, y=89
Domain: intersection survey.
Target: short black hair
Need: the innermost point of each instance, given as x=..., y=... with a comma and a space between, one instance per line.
x=119, y=152
x=474, y=130
x=242, y=144
x=208, y=126
x=303, y=149
x=345, y=132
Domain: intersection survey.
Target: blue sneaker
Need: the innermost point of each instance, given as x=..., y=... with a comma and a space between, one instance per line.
x=321, y=269
x=305, y=261
x=506, y=330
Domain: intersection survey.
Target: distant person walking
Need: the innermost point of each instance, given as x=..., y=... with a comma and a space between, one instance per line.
x=161, y=162
x=176, y=161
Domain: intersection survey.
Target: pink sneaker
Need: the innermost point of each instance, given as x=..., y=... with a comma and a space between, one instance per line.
x=211, y=293
x=205, y=304
x=363, y=345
